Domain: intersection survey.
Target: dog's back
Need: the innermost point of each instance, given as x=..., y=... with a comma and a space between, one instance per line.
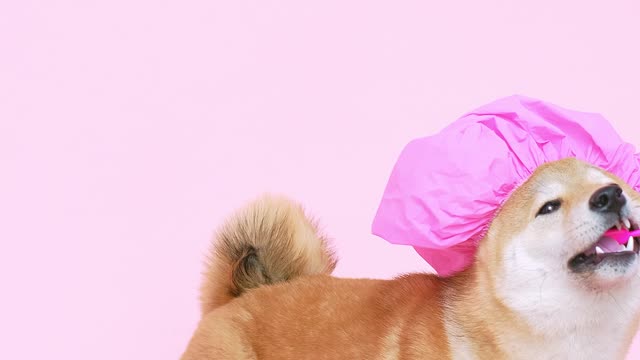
x=267, y=295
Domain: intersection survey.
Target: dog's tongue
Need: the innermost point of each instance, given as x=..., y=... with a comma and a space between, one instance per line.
x=620, y=236
x=609, y=244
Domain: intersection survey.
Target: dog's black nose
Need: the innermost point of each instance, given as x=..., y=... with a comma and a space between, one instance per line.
x=608, y=199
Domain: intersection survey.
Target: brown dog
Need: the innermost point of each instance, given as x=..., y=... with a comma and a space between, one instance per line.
x=545, y=285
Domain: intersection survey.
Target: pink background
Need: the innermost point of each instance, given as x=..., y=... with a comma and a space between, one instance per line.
x=130, y=129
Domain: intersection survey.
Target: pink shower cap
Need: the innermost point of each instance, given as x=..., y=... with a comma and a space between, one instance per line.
x=445, y=189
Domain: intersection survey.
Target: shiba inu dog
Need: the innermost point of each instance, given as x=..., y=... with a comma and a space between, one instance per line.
x=545, y=284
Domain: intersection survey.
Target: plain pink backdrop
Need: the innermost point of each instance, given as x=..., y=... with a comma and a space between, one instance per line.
x=130, y=129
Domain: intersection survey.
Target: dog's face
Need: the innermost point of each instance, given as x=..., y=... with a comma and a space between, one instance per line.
x=545, y=249
x=563, y=212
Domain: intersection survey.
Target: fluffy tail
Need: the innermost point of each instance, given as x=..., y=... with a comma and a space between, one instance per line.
x=269, y=241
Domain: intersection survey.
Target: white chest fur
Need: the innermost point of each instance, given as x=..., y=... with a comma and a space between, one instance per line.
x=567, y=321
x=605, y=339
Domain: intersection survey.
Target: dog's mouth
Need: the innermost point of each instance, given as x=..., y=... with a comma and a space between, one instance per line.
x=608, y=249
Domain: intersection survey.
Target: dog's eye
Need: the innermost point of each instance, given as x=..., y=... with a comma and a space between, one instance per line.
x=549, y=207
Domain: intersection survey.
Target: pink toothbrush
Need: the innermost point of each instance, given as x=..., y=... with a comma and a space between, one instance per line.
x=621, y=236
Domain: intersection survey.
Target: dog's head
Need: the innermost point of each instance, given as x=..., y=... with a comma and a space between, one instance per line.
x=545, y=250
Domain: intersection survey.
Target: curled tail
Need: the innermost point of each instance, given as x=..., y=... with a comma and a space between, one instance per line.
x=269, y=241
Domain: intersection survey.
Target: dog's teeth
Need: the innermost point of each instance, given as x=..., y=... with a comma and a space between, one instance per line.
x=618, y=225
x=631, y=244
x=598, y=250
x=627, y=223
